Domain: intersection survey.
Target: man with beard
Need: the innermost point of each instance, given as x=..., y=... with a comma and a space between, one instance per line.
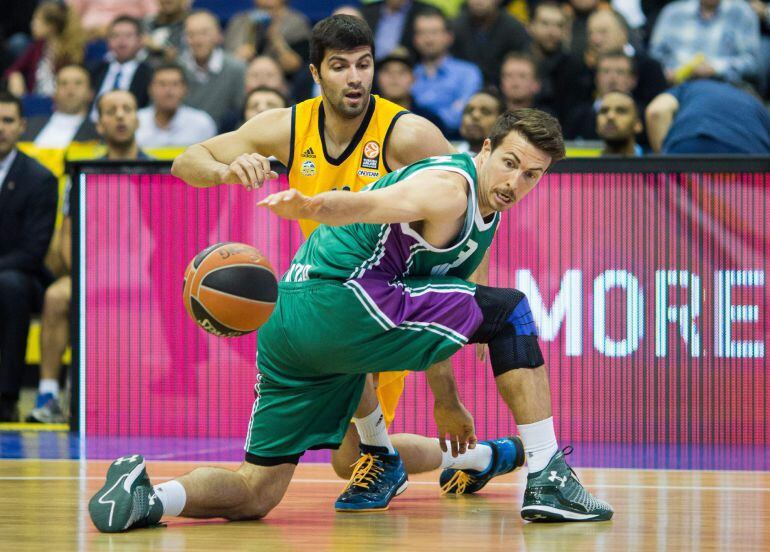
x=618, y=124
x=479, y=116
x=346, y=139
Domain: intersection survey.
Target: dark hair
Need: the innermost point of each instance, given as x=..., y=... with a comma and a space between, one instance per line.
x=80, y=66
x=170, y=66
x=339, y=32
x=130, y=20
x=637, y=109
x=6, y=98
x=617, y=54
x=522, y=56
x=103, y=94
x=284, y=97
x=537, y=127
x=494, y=93
x=432, y=11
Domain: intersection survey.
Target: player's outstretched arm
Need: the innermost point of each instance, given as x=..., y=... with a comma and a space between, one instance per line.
x=432, y=195
x=238, y=157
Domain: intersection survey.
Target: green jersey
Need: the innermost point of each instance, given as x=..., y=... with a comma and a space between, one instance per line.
x=395, y=251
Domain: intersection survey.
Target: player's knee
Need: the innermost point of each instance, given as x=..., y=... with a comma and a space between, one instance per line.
x=57, y=301
x=509, y=329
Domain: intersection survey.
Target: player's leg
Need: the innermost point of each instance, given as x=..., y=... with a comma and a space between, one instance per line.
x=54, y=336
x=127, y=500
x=553, y=491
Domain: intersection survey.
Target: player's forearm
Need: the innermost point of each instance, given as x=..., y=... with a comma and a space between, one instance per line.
x=442, y=383
x=340, y=208
x=198, y=168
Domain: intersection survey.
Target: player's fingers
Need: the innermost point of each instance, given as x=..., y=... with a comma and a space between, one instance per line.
x=249, y=170
x=264, y=163
x=442, y=441
x=462, y=442
x=472, y=441
x=241, y=174
x=453, y=442
x=272, y=175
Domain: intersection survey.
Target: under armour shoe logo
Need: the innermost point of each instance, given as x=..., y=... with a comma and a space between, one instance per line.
x=132, y=458
x=555, y=476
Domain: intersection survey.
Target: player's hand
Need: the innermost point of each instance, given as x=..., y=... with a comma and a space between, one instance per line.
x=289, y=204
x=251, y=170
x=454, y=420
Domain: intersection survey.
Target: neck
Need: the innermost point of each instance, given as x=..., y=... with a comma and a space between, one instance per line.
x=204, y=61
x=626, y=147
x=431, y=65
x=485, y=20
x=163, y=117
x=708, y=12
x=167, y=19
x=519, y=104
x=118, y=152
x=80, y=112
x=340, y=129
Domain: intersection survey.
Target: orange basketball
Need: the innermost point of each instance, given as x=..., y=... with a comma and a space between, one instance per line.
x=230, y=289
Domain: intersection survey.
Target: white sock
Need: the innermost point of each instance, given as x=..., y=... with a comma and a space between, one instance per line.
x=172, y=496
x=372, y=430
x=48, y=385
x=539, y=443
x=477, y=459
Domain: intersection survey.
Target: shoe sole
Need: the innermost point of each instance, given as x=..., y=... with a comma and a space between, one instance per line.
x=545, y=514
x=400, y=490
x=110, y=508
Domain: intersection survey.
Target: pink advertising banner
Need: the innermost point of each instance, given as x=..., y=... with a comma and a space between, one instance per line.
x=649, y=292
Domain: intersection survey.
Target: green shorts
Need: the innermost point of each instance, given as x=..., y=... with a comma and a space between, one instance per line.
x=324, y=336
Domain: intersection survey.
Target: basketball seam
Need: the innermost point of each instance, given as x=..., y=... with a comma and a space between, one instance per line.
x=233, y=295
x=208, y=312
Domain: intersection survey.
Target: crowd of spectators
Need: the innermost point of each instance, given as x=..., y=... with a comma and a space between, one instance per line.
x=634, y=76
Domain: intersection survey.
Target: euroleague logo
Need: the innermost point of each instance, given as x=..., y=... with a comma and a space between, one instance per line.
x=371, y=156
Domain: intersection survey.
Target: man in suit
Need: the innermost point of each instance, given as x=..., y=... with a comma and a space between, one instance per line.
x=69, y=121
x=123, y=67
x=28, y=196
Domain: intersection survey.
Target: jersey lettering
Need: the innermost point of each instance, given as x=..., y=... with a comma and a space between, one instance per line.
x=469, y=249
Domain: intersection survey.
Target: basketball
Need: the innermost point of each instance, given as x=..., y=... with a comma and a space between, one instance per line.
x=230, y=289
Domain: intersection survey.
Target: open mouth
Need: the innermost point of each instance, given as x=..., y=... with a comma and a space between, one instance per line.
x=505, y=199
x=354, y=96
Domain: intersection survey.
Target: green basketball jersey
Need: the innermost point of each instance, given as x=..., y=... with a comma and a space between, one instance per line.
x=393, y=251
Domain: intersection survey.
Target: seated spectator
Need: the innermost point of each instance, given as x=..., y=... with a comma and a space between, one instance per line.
x=117, y=123
x=392, y=22
x=608, y=32
x=164, y=36
x=615, y=72
x=28, y=197
x=579, y=11
x=485, y=33
x=57, y=41
x=559, y=71
x=273, y=29
x=264, y=71
x=443, y=84
x=395, y=78
x=166, y=122
x=519, y=82
x=706, y=116
x=261, y=99
x=69, y=121
x=215, y=78
x=707, y=38
x=479, y=115
x=123, y=67
x=97, y=16
x=618, y=124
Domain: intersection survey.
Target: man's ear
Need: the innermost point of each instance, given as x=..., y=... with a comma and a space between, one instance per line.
x=315, y=74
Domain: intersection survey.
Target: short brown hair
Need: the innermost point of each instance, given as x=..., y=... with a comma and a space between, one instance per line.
x=537, y=127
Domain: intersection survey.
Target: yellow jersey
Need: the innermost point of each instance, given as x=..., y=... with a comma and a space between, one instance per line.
x=311, y=170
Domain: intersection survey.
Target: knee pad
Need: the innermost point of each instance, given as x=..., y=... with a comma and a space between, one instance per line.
x=509, y=329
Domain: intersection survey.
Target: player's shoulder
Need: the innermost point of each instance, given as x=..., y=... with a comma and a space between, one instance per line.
x=413, y=138
x=278, y=119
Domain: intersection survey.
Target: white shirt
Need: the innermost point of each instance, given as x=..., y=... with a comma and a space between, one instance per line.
x=188, y=126
x=125, y=70
x=5, y=166
x=59, y=131
x=214, y=65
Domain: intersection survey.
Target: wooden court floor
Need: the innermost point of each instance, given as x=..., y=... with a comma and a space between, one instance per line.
x=43, y=507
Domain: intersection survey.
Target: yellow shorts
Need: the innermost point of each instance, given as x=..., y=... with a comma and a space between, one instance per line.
x=390, y=386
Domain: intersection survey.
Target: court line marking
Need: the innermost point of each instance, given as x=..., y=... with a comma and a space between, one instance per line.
x=428, y=483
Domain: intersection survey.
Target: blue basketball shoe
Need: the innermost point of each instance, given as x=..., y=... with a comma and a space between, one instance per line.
x=377, y=478
x=127, y=500
x=507, y=456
